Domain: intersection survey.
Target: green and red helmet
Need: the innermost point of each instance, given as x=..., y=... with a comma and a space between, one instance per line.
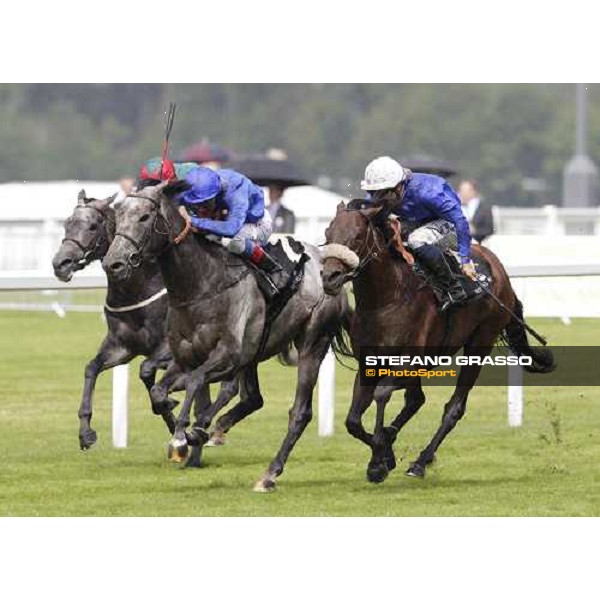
x=165, y=170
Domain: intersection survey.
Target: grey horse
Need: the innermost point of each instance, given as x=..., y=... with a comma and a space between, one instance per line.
x=217, y=317
x=135, y=312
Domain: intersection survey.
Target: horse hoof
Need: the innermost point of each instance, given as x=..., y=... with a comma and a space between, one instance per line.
x=377, y=472
x=415, y=470
x=195, y=459
x=88, y=439
x=196, y=437
x=177, y=451
x=217, y=439
x=390, y=462
x=265, y=485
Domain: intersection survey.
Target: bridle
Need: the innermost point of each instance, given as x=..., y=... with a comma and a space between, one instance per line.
x=370, y=250
x=373, y=251
x=134, y=259
x=90, y=255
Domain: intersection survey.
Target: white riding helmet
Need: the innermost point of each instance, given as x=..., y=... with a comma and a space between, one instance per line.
x=382, y=173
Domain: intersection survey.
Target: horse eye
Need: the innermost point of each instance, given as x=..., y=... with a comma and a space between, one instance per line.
x=93, y=227
x=144, y=218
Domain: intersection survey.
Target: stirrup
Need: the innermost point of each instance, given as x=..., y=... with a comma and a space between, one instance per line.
x=452, y=301
x=266, y=285
x=269, y=264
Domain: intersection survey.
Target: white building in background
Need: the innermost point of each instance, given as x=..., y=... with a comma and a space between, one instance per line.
x=32, y=217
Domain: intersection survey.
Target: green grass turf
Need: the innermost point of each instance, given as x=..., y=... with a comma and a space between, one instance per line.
x=484, y=467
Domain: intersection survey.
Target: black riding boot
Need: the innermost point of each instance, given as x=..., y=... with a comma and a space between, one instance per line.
x=432, y=259
x=267, y=266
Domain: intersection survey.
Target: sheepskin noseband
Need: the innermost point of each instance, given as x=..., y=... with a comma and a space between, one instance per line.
x=342, y=253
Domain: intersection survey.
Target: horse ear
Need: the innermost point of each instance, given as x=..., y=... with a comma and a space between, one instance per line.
x=340, y=207
x=81, y=199
x=108, y=201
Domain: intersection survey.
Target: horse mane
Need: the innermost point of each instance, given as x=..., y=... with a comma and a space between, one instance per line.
x=357, y=204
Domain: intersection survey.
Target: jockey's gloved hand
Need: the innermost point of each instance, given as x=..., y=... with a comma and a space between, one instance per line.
x=468, y=268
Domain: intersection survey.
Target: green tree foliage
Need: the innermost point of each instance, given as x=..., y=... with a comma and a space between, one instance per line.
x=514, y=138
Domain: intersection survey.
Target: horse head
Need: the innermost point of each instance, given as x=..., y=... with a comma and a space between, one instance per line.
x=88, y=232
x=352, y=242
x=148, y=222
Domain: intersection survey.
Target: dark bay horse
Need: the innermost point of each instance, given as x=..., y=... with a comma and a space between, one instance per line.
x=135, y=311
x=395, y=309
x=217, y=317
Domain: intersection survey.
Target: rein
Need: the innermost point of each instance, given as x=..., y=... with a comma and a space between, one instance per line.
x=211, y=294
x=374, y=251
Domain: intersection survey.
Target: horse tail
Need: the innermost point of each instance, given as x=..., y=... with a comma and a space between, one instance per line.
x=543, y=359
x=340, y=332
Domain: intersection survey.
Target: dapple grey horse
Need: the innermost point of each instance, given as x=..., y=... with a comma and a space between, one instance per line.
x=135, y=311
x=217, y=317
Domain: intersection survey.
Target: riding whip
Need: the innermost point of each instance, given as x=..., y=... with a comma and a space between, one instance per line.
x=169, y=119
x=521, y=322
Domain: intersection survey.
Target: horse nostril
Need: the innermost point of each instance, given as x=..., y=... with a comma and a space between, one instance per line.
x=67, y=262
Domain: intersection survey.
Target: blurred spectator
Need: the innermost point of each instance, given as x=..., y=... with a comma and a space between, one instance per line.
x=284, y=220
x=478, y=213
x=207, y=154
x=125, y=186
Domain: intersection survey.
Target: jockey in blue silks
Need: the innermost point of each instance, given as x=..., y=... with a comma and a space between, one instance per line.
x=247, y=226
x=430, y=211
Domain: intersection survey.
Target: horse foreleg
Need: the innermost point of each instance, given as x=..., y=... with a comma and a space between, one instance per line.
x=229, y=389
x=201, y=405
x=221, y=364
x=414, y=398
x=300, y=414
x=249, y=403
x=383, y=460
x=110, y=354
x=453, y=411
x=362, y=396
x=172, y=379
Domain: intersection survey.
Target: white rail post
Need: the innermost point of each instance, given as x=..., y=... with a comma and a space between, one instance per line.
x=120, y=383
x=327, y=394
x=515, y=396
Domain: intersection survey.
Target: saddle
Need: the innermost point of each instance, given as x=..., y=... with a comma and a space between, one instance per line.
x=279, y=285
x=474, y=289
x=397, y=236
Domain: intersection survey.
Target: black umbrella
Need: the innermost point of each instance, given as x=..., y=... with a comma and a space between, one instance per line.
x=424, y=163
x=265, y=171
